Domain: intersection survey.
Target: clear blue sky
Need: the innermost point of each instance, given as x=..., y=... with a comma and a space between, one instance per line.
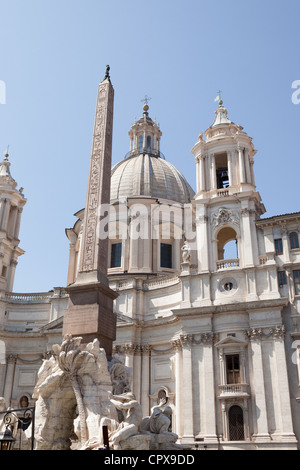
x=180, y=53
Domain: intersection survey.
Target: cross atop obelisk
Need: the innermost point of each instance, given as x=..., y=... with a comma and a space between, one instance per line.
x=90, y=310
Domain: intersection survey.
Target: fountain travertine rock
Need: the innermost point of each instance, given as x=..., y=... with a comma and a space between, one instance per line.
x=78, y=392
x=72, y=385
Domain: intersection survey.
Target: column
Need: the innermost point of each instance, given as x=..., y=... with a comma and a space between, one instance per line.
x=145, y=385
x=252, y=171
x=18, y=223
x=202, y=173
x=179, y=410
x=285, y=245
x=230, y=168
x=213, y=172
x=72, y=258
x=137, y=372
x=241, y=164
x=9, y=379
x=5, y=214
x=247, y=167
x=247, y=238
x=2, y=206
x=187, y=381
x=290, y=283
x=259, y=409
x=284, y=404
x=129, y=351
x=198, y=174
x=11, y=275
x=209, y=389
x=202, y=238
x=2, y=378
x=133, y=246
x=13, y=220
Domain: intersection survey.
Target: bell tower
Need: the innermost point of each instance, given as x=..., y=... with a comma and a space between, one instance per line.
x=227, y=203
x=224, y=157
x=12, y=201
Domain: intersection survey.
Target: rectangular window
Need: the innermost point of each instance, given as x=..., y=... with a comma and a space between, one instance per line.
x=233, y=369
x=281, y=278
x=278, y=246
x=165, y=255
x=296, y=275
x=4, y=271
x=294, y=240
x=116, y=255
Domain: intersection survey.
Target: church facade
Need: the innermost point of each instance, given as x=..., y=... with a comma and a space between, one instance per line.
x=208, y=292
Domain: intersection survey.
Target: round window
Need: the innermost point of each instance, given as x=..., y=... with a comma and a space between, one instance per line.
x=228, y=286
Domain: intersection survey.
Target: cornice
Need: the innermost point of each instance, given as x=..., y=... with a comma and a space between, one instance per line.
x=236, y=307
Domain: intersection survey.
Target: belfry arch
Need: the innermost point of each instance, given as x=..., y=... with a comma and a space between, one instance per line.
x=224, y=237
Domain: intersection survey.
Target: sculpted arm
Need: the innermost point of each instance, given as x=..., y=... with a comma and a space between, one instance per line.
x=123, y=406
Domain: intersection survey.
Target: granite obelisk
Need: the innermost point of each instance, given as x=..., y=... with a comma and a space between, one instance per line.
x=90, y=309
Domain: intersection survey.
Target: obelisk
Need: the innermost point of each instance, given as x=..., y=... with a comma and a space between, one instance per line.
x=90, y=309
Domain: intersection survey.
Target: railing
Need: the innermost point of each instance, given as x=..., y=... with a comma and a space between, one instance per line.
x=34, y=298
x=233, y=390
x=157, y=283
x=145, y=151
x=223, y=192
x=228, y=263
x=263, y=259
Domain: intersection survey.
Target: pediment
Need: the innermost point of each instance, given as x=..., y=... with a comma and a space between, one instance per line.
x=53, y=325
x=124, y=319
x=231, y=341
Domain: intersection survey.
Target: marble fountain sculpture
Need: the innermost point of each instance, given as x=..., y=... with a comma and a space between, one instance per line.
x=78, y=393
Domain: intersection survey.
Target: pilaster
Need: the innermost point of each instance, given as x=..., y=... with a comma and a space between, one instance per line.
x=261, y=424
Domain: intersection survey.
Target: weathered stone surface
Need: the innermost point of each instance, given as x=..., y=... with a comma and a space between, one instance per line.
x=72, y=383
x=136, y=442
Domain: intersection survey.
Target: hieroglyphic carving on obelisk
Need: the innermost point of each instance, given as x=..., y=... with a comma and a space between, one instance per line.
x=90, y=309
x=94, y=250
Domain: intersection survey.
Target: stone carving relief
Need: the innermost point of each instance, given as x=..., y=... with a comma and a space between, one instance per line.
x=255, y=334
x=224, y=216
x=101, y=149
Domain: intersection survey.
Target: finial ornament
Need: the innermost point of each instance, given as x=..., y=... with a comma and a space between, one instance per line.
x=107, y=76
x=218, y=98
x=145, y=100
x=6, y=154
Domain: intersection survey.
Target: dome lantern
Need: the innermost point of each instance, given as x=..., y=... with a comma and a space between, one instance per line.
x=145, y=134
x=144, y=171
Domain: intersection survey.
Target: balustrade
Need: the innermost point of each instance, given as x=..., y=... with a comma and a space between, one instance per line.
x=228, y=263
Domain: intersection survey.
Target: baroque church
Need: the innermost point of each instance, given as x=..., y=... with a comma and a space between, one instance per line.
x=207, y=292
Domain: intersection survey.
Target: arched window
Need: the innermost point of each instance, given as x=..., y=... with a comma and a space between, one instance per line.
x=227, y=244
x=140, y=143
x=236, y=424
x=294, y=240
x=148, y=144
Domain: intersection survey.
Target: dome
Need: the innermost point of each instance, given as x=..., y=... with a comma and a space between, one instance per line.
x=149, y=175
